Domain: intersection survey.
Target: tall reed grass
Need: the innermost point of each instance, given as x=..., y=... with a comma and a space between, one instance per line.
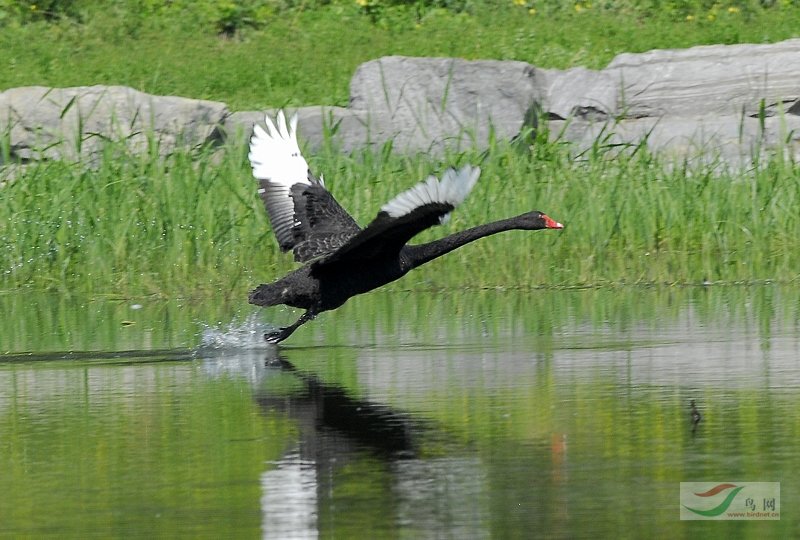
x=134, y=223
x=191, y=224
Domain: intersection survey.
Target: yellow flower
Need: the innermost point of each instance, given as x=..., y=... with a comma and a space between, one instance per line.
x=33, y=7
x=733, y=9
x=520, y=2
x=578, y=8
x=532, y=11
x=362, y=3
x=711, y=16
x=690, y=18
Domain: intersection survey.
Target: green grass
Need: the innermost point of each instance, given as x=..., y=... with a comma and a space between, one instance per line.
x=308, y=57
x=192, y=224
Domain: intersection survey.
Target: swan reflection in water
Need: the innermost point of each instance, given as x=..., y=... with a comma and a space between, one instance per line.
x=328, y=417
x=350, y=452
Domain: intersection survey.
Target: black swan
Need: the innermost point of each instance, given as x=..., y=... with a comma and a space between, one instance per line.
x=344, y=260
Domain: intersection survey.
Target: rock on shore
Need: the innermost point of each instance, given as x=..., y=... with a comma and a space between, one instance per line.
x=728, y=102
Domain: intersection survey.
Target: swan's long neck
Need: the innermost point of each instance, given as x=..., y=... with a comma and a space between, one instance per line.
x=421, y=253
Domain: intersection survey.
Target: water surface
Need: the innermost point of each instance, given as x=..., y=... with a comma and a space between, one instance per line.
x=507, y=414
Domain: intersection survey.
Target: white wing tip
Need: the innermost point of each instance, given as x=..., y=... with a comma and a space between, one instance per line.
x=452, y=189
x=275, y=130
x=274, y=153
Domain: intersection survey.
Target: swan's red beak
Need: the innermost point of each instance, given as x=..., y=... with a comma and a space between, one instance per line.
x=550, y=223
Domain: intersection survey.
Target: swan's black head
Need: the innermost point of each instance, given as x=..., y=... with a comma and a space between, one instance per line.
x=537, y=220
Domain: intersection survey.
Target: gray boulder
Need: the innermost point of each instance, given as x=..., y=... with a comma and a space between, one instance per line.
x=429, y=104
x=581, y=93
x=714, y=104
x=733, y=102
x=73, y=123
x=714, y=79
x=346, y=129
x=732, y=141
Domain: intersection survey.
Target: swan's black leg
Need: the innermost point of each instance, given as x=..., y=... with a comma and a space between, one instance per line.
x=282, y=333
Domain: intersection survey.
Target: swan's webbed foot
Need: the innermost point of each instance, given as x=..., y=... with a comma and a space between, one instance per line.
x=280, y=334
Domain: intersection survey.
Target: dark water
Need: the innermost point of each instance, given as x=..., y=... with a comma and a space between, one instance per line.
x=560, y=414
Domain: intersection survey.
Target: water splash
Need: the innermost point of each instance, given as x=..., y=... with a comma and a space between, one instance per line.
x=236, y=335
x=236, y=350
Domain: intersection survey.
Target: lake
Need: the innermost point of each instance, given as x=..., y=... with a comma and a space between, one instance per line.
x=471, y=414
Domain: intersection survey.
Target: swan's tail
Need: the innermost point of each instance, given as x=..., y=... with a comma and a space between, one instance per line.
x=265, y=295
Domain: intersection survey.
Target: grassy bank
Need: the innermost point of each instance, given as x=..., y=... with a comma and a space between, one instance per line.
x=193, y=224
x=296, y=56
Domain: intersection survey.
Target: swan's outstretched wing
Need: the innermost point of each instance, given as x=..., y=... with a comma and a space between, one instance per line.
x=427, y=204
x=321, y=226
x=304, y=215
